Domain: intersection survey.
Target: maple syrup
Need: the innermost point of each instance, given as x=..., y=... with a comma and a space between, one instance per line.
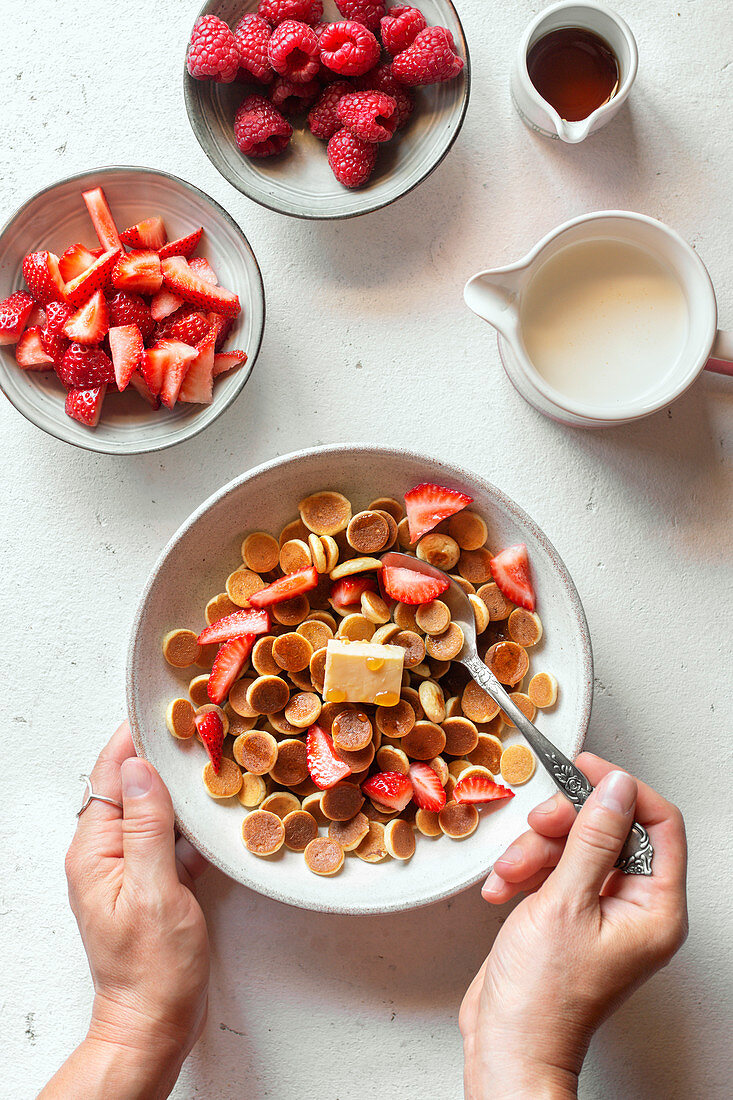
x=574, y=70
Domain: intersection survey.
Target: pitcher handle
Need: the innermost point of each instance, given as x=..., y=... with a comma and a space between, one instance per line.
x=721, y=354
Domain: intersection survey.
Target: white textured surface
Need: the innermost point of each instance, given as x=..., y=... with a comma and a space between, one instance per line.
x=368, y=339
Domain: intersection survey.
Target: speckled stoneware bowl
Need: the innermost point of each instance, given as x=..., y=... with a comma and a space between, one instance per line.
x=207, y=548
x=299, y=182
x=57, y=217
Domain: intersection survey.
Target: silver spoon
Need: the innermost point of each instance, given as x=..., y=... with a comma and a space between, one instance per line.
x=636, y=855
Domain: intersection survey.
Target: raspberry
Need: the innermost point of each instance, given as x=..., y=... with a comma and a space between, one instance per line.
x=351, y=159
x=367, y=12
x=323, y=120
x=259, y=128
x=382, y=80
x=348, y=48
x=252, y=35
x=293, y=51
x=85, y=366
x=429, y=59
x=213, y=53
x=130, y=309
x=400, y=27
x=290, y=97
x=277, y=11
x=369, y=115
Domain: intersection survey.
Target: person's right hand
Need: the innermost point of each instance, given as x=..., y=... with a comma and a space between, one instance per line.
x=580, y=943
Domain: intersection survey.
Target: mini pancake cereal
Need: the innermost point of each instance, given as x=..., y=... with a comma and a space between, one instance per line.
x=333, y=709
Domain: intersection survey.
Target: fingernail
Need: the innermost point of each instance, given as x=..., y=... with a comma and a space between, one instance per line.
x=136, y=778
x=492, y=885
x=617, y=792
x=546, y=807
x=513, y=854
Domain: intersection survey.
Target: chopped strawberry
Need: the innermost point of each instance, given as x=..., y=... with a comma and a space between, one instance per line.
x=139, y=272
x=29, y=352
x=37, y=317
x=202, y=267
x=286, y=588
x=102, y=219
x=127, y=349
x=96, y=277
x=149, y=233
x=86, y=405
x=139, y=384
x=198, y=383
x=227, y=360
x=163, y=367
x=427, y=790
x=510, y=570
x=235, y=625
x=390, y=789
x=325, y=768
x=348, y=591
x=227, y=666
x=83, y=368
x=54, y=345
x=130, y=309
x=190, y=328
x=222, y=325
x=428, y=504
x=210, y=729
x=74, y=261
x=41, y=273
x=410, y=586
x=90, y=324
x=178, y=277
x=479, y=788
x=54, y=339
x=164, y=303
x=15, y=312
x=184, y=246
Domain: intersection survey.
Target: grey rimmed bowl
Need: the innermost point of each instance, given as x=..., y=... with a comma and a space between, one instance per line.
x=299, y=182
x=206, y=548
x=55, y=218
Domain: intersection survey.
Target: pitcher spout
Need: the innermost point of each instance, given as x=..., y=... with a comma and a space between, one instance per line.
x=573, y=132
x=494, y=296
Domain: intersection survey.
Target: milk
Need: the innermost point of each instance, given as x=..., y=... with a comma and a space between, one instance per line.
x=604, y=322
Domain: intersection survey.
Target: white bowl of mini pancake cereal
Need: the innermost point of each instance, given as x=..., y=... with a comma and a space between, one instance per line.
x=228, y=816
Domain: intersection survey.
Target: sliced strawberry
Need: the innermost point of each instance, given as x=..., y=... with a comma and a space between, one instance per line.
x=510, y=570
x=164, y=303
x=198, y=382
x=210, y=729
x=348, y=591
x=54, y=345
x=149, y=233
x=96, y=277
x=102, y=219
x=138, y=272
x=84, y=368
x=127, y=349
x=222, y=325
x=138, y=383
x=74, y=261
x=178, y=360
x=479, y=788
x=286, y=588
x=202, y=267
x=191, y=327
x=227, y=666
x=391, y=789
x=410, y=586
x=15, y=312
x=428, y=504
x=29, y=352
x=90, y=324
x=38, y=316
x=57, y=314
x=427, y=790
x=228, y=360
x=178, y=277
x=86, y=405
x=41, y=273
x=325, y=768
x=235, y=625
x=184, y=246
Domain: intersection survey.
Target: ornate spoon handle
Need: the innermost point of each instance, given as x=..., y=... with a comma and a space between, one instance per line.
x=636, y=855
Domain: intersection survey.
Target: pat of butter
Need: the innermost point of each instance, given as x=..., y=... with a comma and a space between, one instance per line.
x=362, y=672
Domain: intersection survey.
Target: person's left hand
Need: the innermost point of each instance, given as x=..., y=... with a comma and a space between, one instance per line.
x=131, y=890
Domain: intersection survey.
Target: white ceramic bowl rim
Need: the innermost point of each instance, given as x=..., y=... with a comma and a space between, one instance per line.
x=436, y=893
x=246, y=372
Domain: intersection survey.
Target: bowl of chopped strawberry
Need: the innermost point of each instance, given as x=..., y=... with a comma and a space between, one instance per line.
x=131, y=310
x=323, y=109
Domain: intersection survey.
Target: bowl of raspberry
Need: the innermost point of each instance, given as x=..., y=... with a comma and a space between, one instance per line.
x=322, y=109
x=131, y=310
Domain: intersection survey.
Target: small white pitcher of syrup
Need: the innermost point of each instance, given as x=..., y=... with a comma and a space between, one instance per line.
x=575, y=66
